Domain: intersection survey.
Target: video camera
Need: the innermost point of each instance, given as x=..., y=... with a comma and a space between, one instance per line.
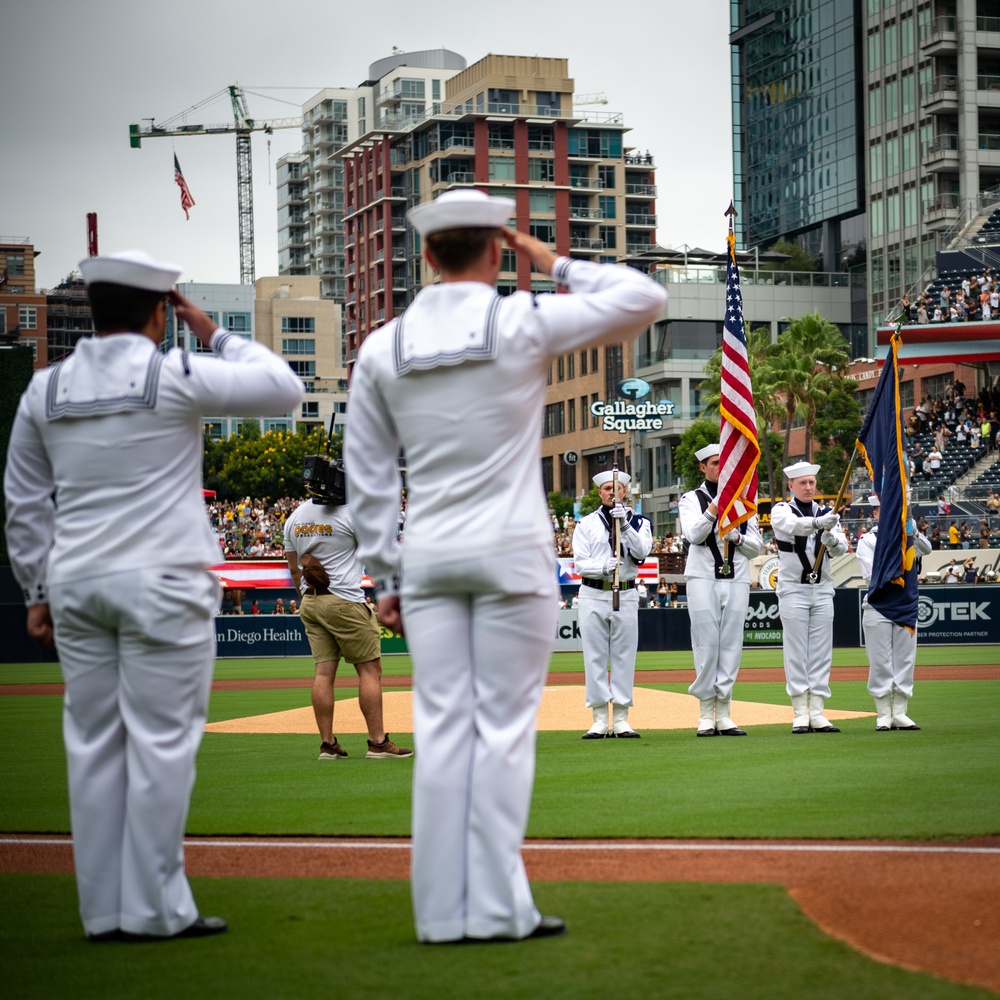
x=324, y=477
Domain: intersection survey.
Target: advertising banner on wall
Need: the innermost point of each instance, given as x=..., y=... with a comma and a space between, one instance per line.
x=951, y=614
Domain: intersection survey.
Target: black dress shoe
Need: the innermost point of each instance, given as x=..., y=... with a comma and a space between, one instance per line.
x=105, y=936
x=707, y=732
x=594, y=736
x=549, y=927
x=731, y=732
x=202, y=927
x=825, y=729
x=798, y=730
x=631, y=734
x=904, y=729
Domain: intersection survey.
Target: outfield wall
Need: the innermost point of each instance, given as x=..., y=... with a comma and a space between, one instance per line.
x=959, y=613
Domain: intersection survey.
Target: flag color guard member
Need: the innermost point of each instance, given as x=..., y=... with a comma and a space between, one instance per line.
x=458, y=382
x=805, y=595
x=891, y=648
x=108, y=536
x=610, y=637
x=717, y=572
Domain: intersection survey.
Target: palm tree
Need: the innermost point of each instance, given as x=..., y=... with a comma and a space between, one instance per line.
x=821, y=352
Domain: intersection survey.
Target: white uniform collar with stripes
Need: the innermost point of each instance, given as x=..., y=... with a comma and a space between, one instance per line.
x=446, y=325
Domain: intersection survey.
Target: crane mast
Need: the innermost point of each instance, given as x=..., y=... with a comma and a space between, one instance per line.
x=242, y=126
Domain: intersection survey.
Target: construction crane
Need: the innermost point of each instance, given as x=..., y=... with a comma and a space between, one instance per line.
x=242, y=125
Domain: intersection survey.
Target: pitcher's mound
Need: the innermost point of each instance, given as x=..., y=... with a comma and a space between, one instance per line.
x=562, y=708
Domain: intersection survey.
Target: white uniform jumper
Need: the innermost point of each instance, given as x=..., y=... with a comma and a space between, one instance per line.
x=609, y=637
x=115, y=432
x=459, y=382
x=806, y=608
x=718, y=592
x=891, y=648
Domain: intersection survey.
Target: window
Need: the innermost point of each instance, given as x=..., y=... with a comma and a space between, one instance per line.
x=310, y=410
x=236, y=322
x=892, y=156
x=891, y=99
x=891, y=43
x=910, y=208
x=304, y=369
x=27, y=317
x=875, y=162
x=614, y=370
x=542, y=201
x=609, y=236
x=875, y=105
x=298, y=345
x=570, y=366
x=561, y=370
x=544, y=231
x=509, y=261
x=15, y=264
x=548, y=483
x=571, y=407
x=909, y=84
x=410, y=88
x=541, y=170
x=909, y=150
x=892, y=212
x=298, y=324
x=606, y=175
x=593, y=361
x=502, y=168
x=583, y=362
x=553, y=421
x=874, y=50
x=435, y=90
x=567, y=476
x=606, y=203
x=876, y=221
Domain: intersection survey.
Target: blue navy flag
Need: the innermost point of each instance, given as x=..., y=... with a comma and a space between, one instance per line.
x=893, y=587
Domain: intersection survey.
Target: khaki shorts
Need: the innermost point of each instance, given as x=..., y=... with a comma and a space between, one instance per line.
x=337, y=628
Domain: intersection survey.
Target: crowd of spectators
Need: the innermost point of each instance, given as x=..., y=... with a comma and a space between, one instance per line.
x=975, y=297
x=251, y=528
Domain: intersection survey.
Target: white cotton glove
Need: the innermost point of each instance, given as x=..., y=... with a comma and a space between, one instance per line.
x=827, y=539
x=734, y=537
x=619, y=511
x=609, y=567
x=829, y=520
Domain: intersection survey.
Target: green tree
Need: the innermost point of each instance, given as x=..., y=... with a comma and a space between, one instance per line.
x=822, y=358
x=560, y=504
x=836, y=429
x=686, y=463
x=799, y=259
x=590, y=501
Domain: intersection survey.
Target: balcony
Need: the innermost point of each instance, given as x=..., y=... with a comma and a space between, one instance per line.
x=585, y=245
x=640, y=220
x=642, y=190
x=941, y=152
x=942, y=208
x=639, y=160
x=586, y=183
x=585, y=215
x=459, y=177
x=940, y=95
x=938, y=37
x=459, y=142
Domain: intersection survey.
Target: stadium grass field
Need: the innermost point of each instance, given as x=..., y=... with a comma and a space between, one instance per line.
x=350, y=938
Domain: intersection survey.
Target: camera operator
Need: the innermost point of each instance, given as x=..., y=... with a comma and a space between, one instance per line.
x=321, y=549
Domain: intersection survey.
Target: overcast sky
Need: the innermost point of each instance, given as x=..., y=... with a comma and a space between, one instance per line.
x=75, y=74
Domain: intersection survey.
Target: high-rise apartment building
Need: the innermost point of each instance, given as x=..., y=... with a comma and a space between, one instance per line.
x=401, y=87
x=933, y=133
x=506, y=125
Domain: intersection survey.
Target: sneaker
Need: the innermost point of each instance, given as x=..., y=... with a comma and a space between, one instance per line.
x=386, y=749
x=331, y=751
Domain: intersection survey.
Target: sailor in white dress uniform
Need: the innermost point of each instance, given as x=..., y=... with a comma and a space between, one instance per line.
x=458, y=382
x=891, y=648
x=805, y=595
x=610, y=638
x=718, y=592
x=117, y=565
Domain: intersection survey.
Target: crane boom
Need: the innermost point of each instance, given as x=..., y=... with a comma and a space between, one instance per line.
x=242, y=125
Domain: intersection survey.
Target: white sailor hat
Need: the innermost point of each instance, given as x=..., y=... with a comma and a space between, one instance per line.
x=605, y=477
x=133, y=268
x=704, y=454
x=467, y=208
x=800, y=469
x=873, y=500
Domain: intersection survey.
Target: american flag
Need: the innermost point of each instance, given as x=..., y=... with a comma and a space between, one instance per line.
x=740, y=452
x=186, y=200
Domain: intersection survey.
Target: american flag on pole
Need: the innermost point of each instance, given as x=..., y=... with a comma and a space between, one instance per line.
x=740, y=451
x=186, y=200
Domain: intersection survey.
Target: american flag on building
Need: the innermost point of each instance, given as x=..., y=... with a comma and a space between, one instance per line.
x=186, y=200
x=740, y=451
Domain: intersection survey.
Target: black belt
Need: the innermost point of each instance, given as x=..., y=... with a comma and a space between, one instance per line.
x=607, y=584
x=316, y=592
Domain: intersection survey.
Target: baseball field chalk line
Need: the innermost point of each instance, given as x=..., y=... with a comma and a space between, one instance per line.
x=404, y=845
